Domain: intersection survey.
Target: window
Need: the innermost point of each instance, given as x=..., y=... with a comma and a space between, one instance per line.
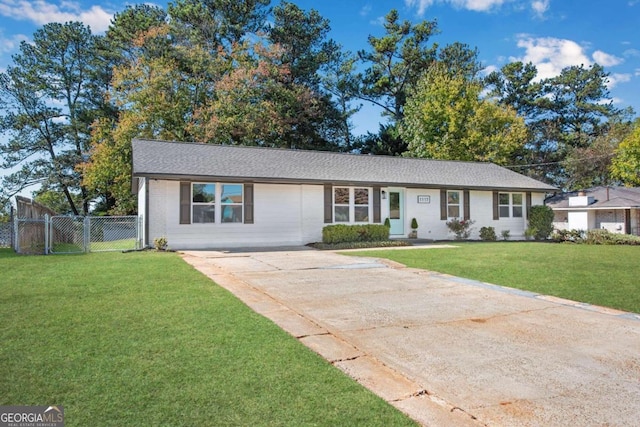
x=341, y=204
x=205, y=203
x=453, y=204
x=361, y=202
x=516, y=201
x=510, y=205
x=231, y=202
x=350, y=204
x=203, y=199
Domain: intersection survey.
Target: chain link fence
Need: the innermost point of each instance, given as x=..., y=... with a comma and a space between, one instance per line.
x=6, y=234
x=113, y=233
x=67, y=235
x=75, y=234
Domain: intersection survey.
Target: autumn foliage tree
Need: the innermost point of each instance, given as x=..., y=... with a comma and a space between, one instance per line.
x=446, y=118
x=626, y=163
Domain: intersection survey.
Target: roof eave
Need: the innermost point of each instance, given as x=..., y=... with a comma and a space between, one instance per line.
x=270, y=180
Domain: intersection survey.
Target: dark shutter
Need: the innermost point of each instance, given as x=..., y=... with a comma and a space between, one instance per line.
x=443, y=205
x=376, y=205
x=627, y=221
x=328, y=204
x=467, y=205
x=527, y=201
x=185, y=203
x=496, y=210
x=248, y=203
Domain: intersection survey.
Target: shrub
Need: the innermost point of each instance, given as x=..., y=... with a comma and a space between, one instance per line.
x=573, y=236
x=505, y=234
x=387, y=222
x=605, y=237
x=414, y=224
x=341, y=233
x=460, y=227
x=160, y=243
x=540, y=222
x=529, y=233
x=488, y=234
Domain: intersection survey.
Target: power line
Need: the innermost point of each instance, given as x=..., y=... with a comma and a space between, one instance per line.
x=531, y=165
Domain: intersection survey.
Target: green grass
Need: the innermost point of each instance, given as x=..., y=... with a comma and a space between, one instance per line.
x=600, y=275
x=112, y=245
x=143, y=339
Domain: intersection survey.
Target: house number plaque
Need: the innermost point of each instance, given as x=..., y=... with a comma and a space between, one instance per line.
x=424, y=199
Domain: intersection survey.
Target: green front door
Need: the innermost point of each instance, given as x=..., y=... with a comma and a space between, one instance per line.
x=396, y=212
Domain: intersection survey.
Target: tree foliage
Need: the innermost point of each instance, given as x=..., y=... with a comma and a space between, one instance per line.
x=396, y=62
x=626, y=163
x=446, y=118
x=568, y=118
x=241, y=72
x=49, y=103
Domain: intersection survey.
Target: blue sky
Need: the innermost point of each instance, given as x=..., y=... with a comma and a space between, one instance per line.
x=550, y=33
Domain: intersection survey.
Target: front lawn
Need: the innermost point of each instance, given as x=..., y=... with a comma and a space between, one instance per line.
x=143, y=339
x=600, y=275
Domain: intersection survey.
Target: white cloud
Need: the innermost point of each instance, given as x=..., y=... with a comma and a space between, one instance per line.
x=540, y=7
x=10, y=44
x=379, y=21
x=475, y=5
x=605, y=59
x=631, y=53
x=42, y=12
x=637, y=72
x=421, y=5
x=365, y=10
x=551, y=55
x=616, y=78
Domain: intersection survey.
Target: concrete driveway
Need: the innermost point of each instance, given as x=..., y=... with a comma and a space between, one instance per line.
x=447, y=351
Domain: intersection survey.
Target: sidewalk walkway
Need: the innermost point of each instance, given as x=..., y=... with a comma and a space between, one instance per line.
x=446, y=351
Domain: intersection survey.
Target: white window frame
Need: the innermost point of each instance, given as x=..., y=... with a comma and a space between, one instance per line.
x=199, y=204
x=458, y=205
x=511, y=206
x=224, y=203
x=351, y=205
x=218, y=204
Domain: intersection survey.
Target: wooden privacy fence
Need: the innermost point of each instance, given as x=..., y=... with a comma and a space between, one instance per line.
x=30, y=231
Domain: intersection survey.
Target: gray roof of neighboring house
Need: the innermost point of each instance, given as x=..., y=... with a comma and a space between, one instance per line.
x=603, y=197
x=193, y=161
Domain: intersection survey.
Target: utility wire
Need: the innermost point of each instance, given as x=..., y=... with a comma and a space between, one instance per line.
x=532, y=165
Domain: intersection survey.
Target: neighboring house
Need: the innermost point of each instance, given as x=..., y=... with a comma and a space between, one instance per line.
x=214, y=196
x=616, y=209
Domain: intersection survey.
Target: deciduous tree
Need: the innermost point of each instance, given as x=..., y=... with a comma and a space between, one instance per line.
x=626, y=163
x=446, y=118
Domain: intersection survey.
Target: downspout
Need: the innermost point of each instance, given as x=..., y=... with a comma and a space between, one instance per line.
x=146, y=212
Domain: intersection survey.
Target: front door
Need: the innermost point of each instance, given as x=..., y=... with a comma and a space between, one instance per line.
x=396, y=212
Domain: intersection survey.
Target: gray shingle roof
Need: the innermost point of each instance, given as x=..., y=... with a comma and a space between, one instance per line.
x=603, y=197
x=178, y=160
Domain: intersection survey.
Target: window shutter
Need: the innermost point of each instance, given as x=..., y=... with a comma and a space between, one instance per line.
x=376, y=205
x=328, y=204
x=443, y=205
x=496, y=211
x=185, y=203
x=248, y=203
x=627, y=221
x=527, y=201
x=467, y=205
